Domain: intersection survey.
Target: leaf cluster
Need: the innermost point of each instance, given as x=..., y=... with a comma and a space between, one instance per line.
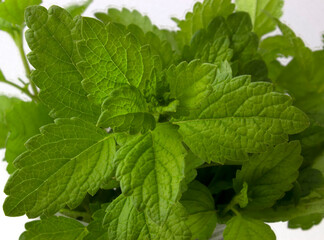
x=137, y=132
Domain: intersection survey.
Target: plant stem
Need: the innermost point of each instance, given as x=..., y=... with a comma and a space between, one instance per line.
x=24, y=90
x=26, y=65
x=237, y=213
x=18, y=39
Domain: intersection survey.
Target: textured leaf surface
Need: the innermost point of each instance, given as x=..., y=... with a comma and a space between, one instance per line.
x=229, y=39
x=54, y=228
x=109, y=58
x=201, y=16
x=200, y=205
x=127, y=17
x=216, y=52
x=63, y=163
x=54, y=57
x=247, y=229
x=125, y=222
x=270, y=174
x=261, y=12
x=230, y=117
x=161, y=41
x=6, y=105
x=126, y=110
x=13, y=10
x=151, y=168
x=24, y=121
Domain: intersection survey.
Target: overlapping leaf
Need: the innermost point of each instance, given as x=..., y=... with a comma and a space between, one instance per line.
x=127, y=17
x=126, y=110
x=13, y=10
x=54, y=56
x=34, y=116
x=306, y=222
x=200, y=17
x=121, y=62
x=229, y=39
x=54, y=228
x=124, y=222
x=200, y=205
x=262, y=13
x=230, y=117
x=151, y=168
x=5, y=107
x=109, y=59
x=161, y=41
x=63, y=163
x=247, y=229
x=270, y=174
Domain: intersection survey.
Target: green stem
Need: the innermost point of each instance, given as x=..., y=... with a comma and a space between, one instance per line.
x=24, y=90
x=18, y=38
x=237, y=213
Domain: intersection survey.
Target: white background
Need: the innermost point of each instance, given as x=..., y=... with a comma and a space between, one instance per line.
x=306, y=17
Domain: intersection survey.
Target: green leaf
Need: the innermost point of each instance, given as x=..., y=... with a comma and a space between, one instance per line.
x=54, y=56
x=232, y=40
x=151, y=168
x=170, y=108
x=191, y=163
x=200, y=206
x=270, y=174
x=216, y=52
x=109, y=59
x=6, y=105
x=13, y=10
x=127, y=17
x=124, y=222
x=63, y=163
x=262, y=13
x=285, y=45
x=161, y=42
x=307, y=88
x=247, y=229
x=54, y=228
x=227, y=118
x=95, y=227
x=78, y=9
x=306, y=222
x=242, y=197
x=311, y=204
x=126, y=110
x=201, y=16
x=310, y=179
x=34, y=116
x=7, y=27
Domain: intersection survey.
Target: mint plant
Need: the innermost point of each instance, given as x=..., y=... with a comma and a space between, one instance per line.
x=137, y=132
